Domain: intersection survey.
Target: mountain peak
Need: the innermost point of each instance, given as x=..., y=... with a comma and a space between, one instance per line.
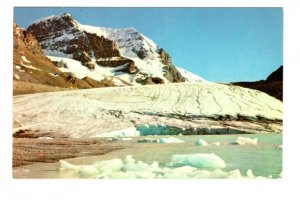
x=136, y=58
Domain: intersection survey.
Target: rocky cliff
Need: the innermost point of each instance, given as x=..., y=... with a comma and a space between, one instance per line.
x=34, y=72
x=126, y=50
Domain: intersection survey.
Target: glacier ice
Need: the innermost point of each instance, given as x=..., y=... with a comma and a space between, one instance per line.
x=201, y=142
x=181, y=166
x=245, y=141
x=198, y=160
x=170, y=140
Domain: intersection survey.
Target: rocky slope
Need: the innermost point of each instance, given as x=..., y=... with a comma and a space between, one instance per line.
x=121, y=54
x=34, y=72
x=201, y=108
x=273, y=85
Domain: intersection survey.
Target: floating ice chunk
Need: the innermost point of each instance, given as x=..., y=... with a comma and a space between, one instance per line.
x=88, y=170
x=121, y=175
x=235, y=174
x=215, y=144
x=148, y=140
x=245, y=141
x=201, y=142
x=184, y=169
x=170, y=140
x=250, y=174
x=198, y=160
x=218, y=173
x=114, y=165
x=129, y=159
x=181, y=166
x=64, y=165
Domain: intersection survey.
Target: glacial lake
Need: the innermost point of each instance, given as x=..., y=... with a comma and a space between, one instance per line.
x=264, y=159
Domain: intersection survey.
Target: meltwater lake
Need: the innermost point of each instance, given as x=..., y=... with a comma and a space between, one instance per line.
x=264, y=159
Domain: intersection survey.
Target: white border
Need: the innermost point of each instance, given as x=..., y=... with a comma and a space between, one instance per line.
x=162, y=189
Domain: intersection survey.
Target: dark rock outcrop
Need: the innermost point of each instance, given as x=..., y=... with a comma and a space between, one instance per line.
x=276, y=75
x=61, y=34
x=34, y=72
x=273, y=85
x=170, y=71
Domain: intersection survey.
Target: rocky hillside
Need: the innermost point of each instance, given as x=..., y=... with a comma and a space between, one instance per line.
x=273, y=85
x=34, y=72
x=124, y=55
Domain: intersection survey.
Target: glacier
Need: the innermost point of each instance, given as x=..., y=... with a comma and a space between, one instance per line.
x=199, y=108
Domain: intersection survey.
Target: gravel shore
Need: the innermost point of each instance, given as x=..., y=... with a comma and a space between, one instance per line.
x=33, y=150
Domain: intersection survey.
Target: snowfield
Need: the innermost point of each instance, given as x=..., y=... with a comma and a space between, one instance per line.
x=119, y=111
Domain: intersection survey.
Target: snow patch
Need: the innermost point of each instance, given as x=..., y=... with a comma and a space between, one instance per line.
x=29, y=66
x=17, y=76
x=45, y=138
x=25, y=59
x=190, y=77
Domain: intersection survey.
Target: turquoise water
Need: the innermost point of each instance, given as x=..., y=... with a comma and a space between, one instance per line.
x=263, y=159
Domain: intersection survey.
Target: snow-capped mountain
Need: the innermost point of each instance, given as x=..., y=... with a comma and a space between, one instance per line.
x=124, y=55
x=34, y=72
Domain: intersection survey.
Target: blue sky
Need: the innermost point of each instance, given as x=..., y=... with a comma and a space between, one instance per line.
x=218, y=44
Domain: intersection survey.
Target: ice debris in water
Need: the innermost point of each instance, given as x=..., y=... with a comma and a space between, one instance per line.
x=170, y=140
x=181, y=166
x=201, y=142
x=216, y=144
x=198, y=160
x=245, y=141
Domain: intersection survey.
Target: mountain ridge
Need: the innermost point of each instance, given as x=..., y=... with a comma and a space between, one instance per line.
x=142, y=57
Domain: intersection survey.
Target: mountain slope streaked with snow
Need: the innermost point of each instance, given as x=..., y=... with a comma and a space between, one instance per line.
x=63, y=38
x=93, y=112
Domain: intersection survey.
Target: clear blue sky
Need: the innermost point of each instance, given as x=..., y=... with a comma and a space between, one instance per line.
x=218, y=44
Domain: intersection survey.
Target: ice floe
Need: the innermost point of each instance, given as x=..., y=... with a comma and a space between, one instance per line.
x=183, y=166
x=245, y=141
x=211, y=161
x=170, y=140
x=201, y=142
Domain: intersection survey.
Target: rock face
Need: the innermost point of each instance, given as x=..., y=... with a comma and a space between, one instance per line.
x=34, y=72
x=60, y=35
x=273, y=85
x=144, y=61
